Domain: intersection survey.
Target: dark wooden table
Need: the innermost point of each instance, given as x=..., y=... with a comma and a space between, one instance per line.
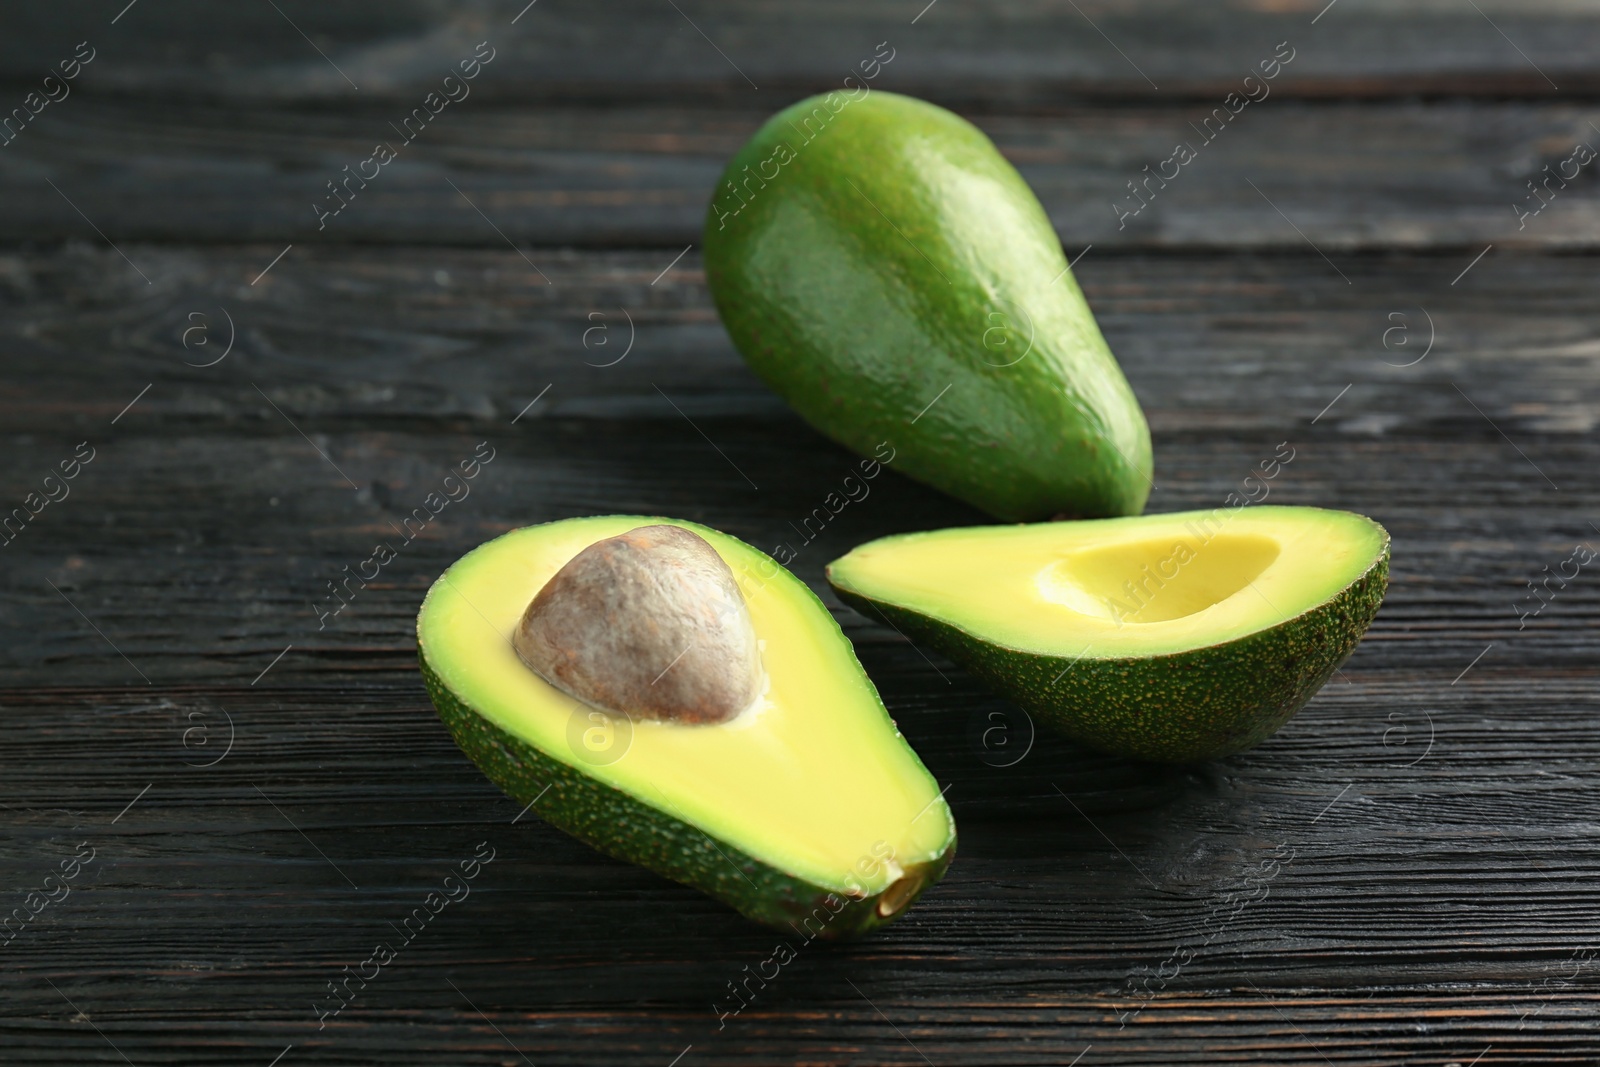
x=1404, y=874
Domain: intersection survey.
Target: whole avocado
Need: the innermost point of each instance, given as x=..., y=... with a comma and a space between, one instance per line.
x=881, y=266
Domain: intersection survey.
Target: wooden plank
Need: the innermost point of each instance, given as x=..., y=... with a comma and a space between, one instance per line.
x=1035, y=50
x=1048, y=1033
x=208, y=892
x=1241, y=347
x=1343, y=177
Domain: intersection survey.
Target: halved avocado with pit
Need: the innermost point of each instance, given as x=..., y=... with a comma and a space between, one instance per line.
x=807, y=810
x=1172, y=638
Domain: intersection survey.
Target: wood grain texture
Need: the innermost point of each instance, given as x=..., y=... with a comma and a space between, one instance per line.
x=394, y=368
x=1439, y=830
x=1402, y=875
x=1342, y=176
x=1032, y=50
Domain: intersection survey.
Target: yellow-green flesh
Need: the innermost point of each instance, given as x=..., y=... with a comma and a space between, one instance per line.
x=808, y=780
x=1057, y=588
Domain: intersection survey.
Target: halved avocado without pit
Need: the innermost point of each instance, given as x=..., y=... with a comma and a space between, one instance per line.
x=1170, y=638
x=805, y=810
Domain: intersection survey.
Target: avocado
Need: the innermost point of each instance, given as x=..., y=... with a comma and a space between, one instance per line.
x=1170, y=638
x=733, y=744
x=880, y=265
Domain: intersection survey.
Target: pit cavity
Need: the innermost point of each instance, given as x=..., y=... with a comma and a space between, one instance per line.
x=1158, y=579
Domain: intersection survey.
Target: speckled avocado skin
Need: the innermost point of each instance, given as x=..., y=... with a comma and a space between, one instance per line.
x=881, y=266
x=1180, y=708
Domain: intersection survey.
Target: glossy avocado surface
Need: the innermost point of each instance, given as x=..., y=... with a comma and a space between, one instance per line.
x=880, y=265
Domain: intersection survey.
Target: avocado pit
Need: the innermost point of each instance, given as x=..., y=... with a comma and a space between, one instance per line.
x=650, y=624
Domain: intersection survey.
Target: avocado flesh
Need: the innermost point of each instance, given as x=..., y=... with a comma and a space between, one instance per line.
x=1171, y=638
x=807, y=808
x=892, y=276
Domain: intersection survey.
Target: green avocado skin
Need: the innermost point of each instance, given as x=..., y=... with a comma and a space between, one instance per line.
x=617, y=824
x=871, y=257
x=1180, y=708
